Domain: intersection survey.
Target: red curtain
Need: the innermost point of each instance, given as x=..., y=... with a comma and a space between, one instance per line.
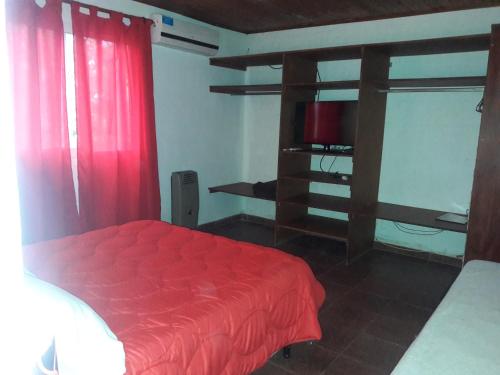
x=117, y=157
x=36, y=52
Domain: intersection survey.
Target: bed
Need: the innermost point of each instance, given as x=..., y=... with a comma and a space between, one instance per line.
x=463, y=334
x=183, y=301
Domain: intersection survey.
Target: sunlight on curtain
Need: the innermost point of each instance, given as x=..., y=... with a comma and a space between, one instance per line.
x=10, y=250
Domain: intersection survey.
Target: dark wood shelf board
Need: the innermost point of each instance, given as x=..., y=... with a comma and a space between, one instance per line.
x=401, y=84
x=320, y=152
x=244, y=189
x=435, y=83
x=323, y=177
x=471, y=81
x=416, y=216
x=270, y=89
x=319, y=226
x=321, y=201
x=242, y=62
x=467, y=43
x=326, y=85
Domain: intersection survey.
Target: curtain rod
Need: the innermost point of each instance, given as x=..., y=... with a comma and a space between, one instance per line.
x=101, y=9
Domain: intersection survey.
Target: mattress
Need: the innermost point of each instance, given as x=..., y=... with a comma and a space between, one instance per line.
x=182, y=301
x=462, y=337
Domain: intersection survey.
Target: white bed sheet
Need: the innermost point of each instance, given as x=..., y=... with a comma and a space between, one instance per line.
x=463, y=335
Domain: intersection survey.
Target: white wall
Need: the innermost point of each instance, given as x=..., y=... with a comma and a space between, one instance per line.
x=195, y=129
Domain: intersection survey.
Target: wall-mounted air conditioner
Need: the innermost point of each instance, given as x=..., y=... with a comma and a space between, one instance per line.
x=183, y=35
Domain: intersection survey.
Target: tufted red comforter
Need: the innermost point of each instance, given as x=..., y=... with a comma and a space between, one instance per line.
x=182, y=301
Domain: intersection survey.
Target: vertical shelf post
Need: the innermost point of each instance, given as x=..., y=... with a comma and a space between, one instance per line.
x=367, y=151
x=295, y=69
x=483, y=239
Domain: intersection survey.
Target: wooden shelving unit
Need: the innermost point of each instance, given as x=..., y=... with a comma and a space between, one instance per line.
x=294, y=161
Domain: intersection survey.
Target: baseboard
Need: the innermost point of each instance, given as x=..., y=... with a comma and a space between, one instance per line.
x=424, y=255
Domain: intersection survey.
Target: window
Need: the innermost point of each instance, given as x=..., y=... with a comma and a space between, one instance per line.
x=71, y=107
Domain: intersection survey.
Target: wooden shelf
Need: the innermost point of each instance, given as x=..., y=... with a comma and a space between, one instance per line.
x=406, y=48
x=434, y=84
x=422, y=84
x=405, y=83
x=321, y=152
x=271, y=89
x=244, y=189
x=416, y=216
x=471, y=81
x=323, y=177
x=319, y=226
x=327, y=85
x=321, y=201
x=242, y=62
x=386, y=211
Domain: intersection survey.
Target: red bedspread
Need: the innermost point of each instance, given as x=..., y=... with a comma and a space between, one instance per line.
x=182, y=301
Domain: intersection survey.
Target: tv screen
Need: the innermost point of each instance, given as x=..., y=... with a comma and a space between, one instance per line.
x=331, y=123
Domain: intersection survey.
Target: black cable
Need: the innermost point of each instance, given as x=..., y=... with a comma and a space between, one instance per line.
x=275, y=67
x=413, y=231
x=417, y=231
x=321, y=163
x=479, y=106
x=331, y=165
x=319, y=80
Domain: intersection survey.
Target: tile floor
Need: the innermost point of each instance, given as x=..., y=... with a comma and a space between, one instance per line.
x=373, y=309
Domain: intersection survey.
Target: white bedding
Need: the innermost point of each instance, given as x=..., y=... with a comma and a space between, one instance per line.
x=83, y=341
x=463, y=335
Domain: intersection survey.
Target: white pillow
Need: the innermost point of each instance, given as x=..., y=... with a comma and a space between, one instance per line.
x=84, y=342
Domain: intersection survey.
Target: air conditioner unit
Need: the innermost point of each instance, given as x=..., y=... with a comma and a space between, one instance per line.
x=169, y=32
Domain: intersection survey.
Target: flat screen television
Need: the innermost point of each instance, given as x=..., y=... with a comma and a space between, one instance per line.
x=326, y=123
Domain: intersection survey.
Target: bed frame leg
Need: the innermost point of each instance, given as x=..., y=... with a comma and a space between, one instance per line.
x=287, y=351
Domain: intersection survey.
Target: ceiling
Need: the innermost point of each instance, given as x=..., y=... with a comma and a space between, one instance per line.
x=254, y=16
